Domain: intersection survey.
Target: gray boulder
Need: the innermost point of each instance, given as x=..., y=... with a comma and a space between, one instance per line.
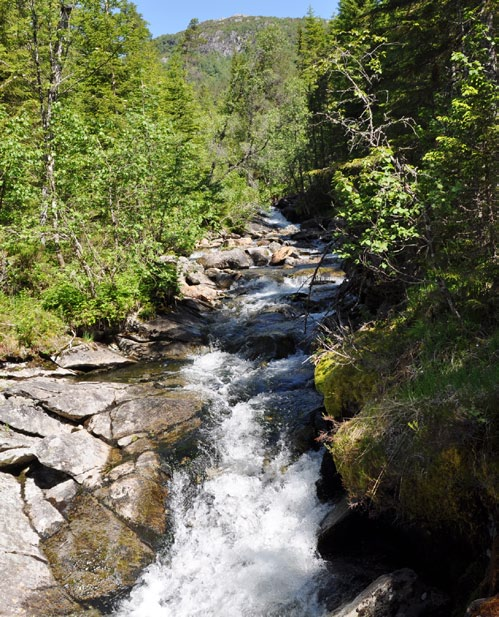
x=393, y=595
x=78, y=454
x=136, y=493
x=260, y=255
x=154, y=414
x=235, y=259
x=91, y=356
x=15, y=448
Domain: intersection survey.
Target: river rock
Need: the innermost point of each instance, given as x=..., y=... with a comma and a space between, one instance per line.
x=44, y=517
x=222, y=279
x=61, y=495
x=16, y=448
x=283, y=253
x=260, y=255
x=137, y=493
x=154, y=414
x=91, y=356
x=185, y=325
x=393, y=595
x=203, y=292
x=235, y=259
x=24, y=371
x=192, y=272
x=77, y=454
x=340, y=512
x=71, y=400
x=27, y=586
x=24, y=415
x=94, y=554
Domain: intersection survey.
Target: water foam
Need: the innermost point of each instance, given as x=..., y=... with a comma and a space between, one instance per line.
x=244, y=539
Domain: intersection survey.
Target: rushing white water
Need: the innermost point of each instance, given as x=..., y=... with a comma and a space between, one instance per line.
x=244, y=537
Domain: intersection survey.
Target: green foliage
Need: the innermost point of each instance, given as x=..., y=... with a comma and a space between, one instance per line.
x=378, y=206
x=25, y=327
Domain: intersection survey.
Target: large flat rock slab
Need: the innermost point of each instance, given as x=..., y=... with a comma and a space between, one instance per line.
x=91, y=356
x=137, y=493
x=27, y=587
x=69, y=399
x=154, y=414
x=25, y=415
x=94, y=554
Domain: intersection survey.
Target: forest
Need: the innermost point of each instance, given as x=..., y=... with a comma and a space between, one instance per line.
x=381, y=123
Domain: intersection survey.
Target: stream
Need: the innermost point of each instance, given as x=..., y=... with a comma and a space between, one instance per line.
x=244, y=511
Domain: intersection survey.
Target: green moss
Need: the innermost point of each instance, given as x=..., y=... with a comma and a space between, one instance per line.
x=425, y=439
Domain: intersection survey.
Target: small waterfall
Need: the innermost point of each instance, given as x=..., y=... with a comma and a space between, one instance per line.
x=245, y=513
x=244, y=538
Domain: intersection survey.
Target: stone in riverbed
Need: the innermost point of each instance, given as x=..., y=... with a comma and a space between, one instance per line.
x=94, y=554
x=154, y=414
x=91, y=356
x=261, y=255
x=283, y=253
x=15, y=448
x=199, y=292
x=27, y=586
x=137, y=493
x=234, y=259
x=46, y=519
x=68, y=399
x=23, y=414
x=393, y=595
x=78, y=454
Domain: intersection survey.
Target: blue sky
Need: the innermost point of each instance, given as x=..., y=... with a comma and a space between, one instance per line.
x=169, y=16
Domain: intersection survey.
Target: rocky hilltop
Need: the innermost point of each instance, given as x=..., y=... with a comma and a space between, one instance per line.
x=224, y=37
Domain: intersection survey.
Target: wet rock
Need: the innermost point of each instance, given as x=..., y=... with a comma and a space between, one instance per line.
x=222, y=279
x=393, y=595
x=95, y=554
x=137, y=493
x=203, y=292
x=71, y=400
x=281, y=254
x=260, y=255
x=158, y=350
x=44, y=517
x=27, y=586
x=91, y=356
x=77, y=454
x=234, y=259
x=186, y=325
x=331, y=524
x=24, y=415
x=154, y=414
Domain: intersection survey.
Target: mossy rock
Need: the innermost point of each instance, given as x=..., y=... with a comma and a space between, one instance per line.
x=95, y=554
x=344, y=386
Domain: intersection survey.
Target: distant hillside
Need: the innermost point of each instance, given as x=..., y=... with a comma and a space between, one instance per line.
x=214, y=42
x=226, y=36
